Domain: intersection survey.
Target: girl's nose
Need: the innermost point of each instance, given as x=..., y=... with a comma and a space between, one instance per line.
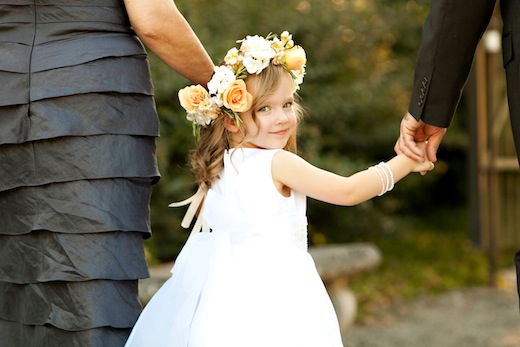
x=281, y=117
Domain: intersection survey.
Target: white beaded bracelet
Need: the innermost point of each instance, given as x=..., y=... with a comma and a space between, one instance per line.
x=380, y=174
x=385, y=175
x=392, y=182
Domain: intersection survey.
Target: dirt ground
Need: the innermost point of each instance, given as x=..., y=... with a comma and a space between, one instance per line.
x=472, y=317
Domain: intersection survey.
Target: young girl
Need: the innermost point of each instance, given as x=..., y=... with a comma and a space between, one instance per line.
x=244, y=277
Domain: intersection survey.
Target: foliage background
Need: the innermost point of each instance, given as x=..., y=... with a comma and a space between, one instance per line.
x=361, y=55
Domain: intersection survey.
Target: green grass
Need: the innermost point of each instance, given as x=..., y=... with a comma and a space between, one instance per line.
x=430, y=256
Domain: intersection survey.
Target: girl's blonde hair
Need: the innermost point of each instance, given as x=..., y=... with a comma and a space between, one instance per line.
x=206, y=160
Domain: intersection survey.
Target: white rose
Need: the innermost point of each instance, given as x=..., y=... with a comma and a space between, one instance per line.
x=232, y=57
x=221, y=79
x=255, y=65
x=258, y=52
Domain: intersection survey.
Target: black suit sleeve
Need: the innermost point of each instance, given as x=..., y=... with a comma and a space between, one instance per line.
x=450, y=36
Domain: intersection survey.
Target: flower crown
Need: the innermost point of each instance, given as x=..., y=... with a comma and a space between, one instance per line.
x=227, y=91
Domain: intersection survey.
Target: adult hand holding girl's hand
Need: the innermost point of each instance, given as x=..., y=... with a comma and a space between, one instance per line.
x=425, y=165
x=413, y=131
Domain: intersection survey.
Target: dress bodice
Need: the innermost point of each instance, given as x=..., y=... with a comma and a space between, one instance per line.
x=38, y=37
x=245, y=202
x=72, y=68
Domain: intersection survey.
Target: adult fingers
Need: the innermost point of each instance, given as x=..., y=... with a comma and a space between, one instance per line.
x=434, y=141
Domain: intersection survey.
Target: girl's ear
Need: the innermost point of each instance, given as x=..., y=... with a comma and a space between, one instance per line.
x=230, y=124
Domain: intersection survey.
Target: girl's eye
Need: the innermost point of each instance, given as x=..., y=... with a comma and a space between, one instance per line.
x=288, y=105
x=263, y=109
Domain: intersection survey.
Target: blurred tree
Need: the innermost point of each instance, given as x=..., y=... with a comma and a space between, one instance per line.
x=360, y=67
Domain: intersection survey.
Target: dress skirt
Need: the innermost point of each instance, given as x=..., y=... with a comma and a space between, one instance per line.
x=77, y=165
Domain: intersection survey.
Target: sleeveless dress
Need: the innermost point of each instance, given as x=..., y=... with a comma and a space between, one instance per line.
x=77, y=163
x=247, y=278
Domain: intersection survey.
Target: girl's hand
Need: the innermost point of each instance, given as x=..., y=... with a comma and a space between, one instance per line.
x=423, y=166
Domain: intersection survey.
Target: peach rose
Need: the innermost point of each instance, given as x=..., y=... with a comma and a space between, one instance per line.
x=192, y=96
x=295, y=58
x=236, y=97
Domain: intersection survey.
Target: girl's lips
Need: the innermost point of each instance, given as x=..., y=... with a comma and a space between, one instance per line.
x=280, y=132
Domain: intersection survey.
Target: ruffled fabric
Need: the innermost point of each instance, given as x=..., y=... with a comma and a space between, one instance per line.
x=79, y=295
x=43, y=44
x=46, y=256
x=76, y=158
x=85, y=206
x=17, y=334
x=77, y=115
x=77, y=165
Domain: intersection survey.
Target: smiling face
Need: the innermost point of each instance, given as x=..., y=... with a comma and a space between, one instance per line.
x=271, y=121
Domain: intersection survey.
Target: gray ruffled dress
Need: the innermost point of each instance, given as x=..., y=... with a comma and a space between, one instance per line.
x=77, y=165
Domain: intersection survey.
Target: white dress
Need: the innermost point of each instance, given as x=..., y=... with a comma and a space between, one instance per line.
x=248, y=281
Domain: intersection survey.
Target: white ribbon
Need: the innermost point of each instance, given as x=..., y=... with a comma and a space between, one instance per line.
x=196, y=204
